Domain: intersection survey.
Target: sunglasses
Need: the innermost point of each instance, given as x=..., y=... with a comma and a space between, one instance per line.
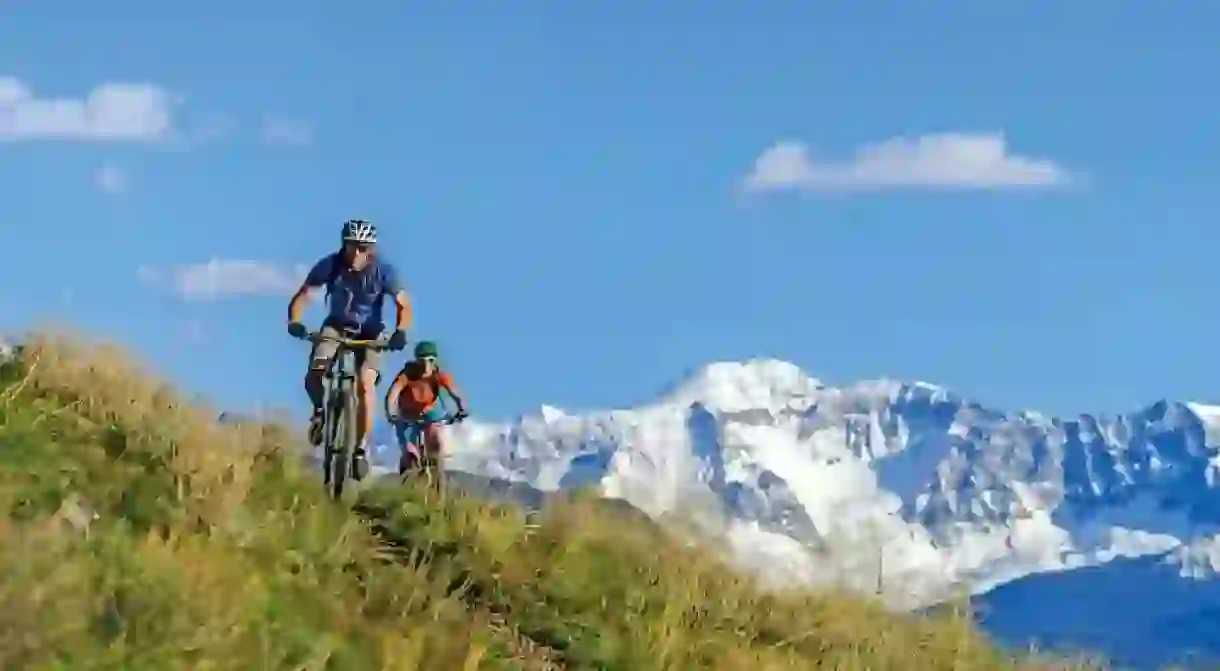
x=361, y=247
x=428, y=359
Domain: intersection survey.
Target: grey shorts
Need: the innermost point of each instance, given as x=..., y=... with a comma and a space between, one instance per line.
x=325, y=350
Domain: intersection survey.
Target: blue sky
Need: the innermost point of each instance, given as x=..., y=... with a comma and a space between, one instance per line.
x=563, y=189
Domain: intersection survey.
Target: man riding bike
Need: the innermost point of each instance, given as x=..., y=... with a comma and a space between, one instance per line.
x=413, y=397
x=356, y=281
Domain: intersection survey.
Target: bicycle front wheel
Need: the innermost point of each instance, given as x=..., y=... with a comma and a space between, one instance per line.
x=342, y=437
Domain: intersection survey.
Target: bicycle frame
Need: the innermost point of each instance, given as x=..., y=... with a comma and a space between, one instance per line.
x=339, y=405
x=410, y=434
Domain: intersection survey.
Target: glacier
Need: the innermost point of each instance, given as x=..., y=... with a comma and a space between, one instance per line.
x=907, y=491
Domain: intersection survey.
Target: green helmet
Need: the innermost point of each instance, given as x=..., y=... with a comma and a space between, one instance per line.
x=425, y=348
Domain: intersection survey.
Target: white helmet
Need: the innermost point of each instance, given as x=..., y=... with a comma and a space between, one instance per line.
x=359, y=230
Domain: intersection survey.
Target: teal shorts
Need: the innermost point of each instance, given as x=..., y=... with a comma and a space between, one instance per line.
x=406, y=429
x=433, y=415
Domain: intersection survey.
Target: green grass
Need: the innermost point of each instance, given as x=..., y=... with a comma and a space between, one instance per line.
x=213, y=548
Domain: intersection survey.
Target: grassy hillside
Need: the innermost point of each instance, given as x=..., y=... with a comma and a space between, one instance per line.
x=141, y=534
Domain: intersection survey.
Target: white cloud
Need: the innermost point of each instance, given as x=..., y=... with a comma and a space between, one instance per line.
x=944, y=160
x=110, y=178
x=225, y=278
x=112, y=111
x=286, y=131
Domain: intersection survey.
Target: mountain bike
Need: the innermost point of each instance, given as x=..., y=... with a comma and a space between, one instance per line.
x=339, y=405
x=410, y=433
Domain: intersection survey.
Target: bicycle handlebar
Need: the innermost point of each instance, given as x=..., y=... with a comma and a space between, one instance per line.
x=447, y=419
x=378, y=343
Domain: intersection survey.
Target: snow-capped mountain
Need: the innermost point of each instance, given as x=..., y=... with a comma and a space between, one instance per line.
x=902, y=488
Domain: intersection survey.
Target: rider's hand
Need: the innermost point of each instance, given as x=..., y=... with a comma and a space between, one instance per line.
x=398, y=341
x=460, y=415
x=297, y=330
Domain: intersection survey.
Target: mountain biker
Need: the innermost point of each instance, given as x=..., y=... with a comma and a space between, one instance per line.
x=422, y=380
x=356, y=281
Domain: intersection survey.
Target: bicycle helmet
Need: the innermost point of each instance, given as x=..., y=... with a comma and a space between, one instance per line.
x=359, y=230
x=425, y=348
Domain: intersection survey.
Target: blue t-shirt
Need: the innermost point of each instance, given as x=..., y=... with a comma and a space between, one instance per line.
x=356, y=296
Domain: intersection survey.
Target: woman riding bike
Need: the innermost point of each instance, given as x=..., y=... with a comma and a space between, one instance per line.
x=414, y=398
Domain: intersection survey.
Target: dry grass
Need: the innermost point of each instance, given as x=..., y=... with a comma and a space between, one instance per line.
x=141, y=534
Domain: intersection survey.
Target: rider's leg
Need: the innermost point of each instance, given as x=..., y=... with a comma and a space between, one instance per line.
x=367, y=398
x=366, y=404
x=408, y=459
x=433, y=448
x=323, y=351
x=434, y=441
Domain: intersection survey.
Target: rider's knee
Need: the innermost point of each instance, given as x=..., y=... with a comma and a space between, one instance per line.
x=368, y=382
x=313, y=379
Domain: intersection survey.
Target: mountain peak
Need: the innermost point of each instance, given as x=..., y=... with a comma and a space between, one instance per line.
x=734, y=386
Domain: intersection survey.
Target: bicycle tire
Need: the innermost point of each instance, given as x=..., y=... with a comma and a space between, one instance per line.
x=341, y=452
x=328, y=428
x=351, y=420
x=325, y=442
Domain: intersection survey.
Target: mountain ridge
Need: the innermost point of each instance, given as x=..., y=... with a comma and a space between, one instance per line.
x=905, y=488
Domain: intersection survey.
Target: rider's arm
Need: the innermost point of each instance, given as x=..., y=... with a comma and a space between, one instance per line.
x=299, y=300
x=448, y=385
x=391, y=396
x=402, y=302
x=313, y=281
x=402, y=311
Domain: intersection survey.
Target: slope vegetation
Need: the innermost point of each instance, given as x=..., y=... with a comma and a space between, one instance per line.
x=142, y=534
